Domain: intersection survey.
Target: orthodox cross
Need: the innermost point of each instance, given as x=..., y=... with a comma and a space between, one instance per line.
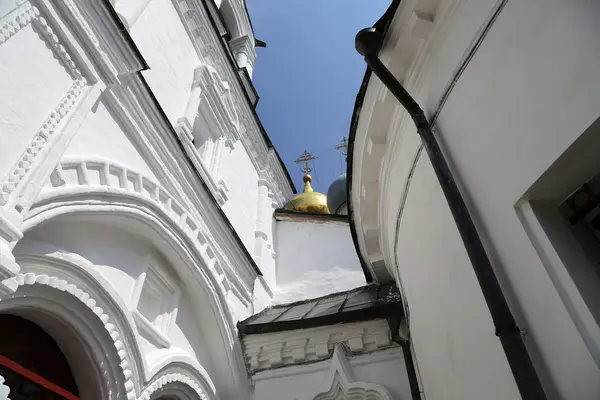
x=343, y=146
x=305, y=157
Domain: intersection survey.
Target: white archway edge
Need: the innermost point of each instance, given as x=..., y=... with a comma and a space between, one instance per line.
x=166, y=379
x=75, y=176
x=32, y=279
x=72, y=267
x=341, y=384
x=65, y=195
x=162, y=359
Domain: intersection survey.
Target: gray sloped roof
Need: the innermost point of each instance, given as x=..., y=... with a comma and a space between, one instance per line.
x=360, y=304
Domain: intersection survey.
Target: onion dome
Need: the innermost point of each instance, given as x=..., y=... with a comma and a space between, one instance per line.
x=309, y=200
x=337, y=197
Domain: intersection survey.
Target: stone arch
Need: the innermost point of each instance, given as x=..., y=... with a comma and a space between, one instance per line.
x=180, y=243
x=40, y=298
x=185, y=385
x=231, y=18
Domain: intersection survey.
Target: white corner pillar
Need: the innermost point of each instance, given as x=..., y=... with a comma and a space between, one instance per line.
x=244, y=51
x=263, y=245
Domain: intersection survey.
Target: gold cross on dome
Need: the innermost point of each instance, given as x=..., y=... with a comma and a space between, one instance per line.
x=343, y=146
x=305, y=157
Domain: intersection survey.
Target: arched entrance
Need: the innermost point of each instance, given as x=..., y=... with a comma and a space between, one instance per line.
x=32, y=364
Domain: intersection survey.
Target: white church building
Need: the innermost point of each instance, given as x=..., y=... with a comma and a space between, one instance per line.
x=152, y=245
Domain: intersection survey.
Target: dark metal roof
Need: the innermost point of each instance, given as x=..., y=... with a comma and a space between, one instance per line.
x=361, y=304
x=282, y=214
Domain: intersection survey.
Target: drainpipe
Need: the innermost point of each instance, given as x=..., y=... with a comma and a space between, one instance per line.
x=368, y=44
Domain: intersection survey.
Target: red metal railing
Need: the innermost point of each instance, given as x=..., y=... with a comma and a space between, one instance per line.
x=10, y=364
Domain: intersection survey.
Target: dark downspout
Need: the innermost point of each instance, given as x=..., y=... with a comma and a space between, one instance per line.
x=368, y=44
x=394, y=322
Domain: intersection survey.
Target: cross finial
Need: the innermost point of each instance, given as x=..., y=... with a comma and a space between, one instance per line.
x=343, y=146
x=305, y=157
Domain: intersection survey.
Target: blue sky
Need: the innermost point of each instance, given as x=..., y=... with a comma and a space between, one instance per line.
x=308, y=77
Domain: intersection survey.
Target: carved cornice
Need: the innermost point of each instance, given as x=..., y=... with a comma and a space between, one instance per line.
x=207, y=44
x=102, y=175
x=136, y=111
x=272, y=350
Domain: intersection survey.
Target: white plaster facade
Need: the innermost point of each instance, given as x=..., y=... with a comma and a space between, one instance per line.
x=512, y=88
x=137, y=193
x=377, y=375
x=135, y=183
x=314, y=258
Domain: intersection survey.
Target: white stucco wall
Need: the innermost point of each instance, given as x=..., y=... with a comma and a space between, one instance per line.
x=241, y=178
x=314, y=259
x=120, y=257
x=304, y=382
x=166, y=47
x=451, y=329
x=100, y=137
x=21, y=114
x=546, y=101
x=528, y=93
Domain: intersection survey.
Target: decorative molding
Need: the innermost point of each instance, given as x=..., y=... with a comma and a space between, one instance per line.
x=392, y=354
x=242, y=23
x=148, y=131
x=25, y=162
x=51, y=124
x=208, y=46
x=102, y=174
x=44, y=258
x=32, y=279
x=18, y=22
x=272, y=350
x=157, y=283
x=61, y=52
x=164, y=380
x=342, y=384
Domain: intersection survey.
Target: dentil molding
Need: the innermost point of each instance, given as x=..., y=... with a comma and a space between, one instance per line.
x=72, y=176
x=272, y=350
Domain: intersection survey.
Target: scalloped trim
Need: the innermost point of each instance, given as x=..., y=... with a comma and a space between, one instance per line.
x=166, y=379
x=62, y=285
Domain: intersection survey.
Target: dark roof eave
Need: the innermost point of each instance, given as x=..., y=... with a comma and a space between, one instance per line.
x=281, y=214
x=364, y=314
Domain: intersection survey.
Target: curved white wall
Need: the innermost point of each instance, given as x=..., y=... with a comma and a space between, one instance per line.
x=528, y=93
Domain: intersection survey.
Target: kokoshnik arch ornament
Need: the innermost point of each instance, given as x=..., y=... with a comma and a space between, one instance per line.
x=341, y=384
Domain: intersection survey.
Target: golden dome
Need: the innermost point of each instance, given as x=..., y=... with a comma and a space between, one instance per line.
x=309, y=200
